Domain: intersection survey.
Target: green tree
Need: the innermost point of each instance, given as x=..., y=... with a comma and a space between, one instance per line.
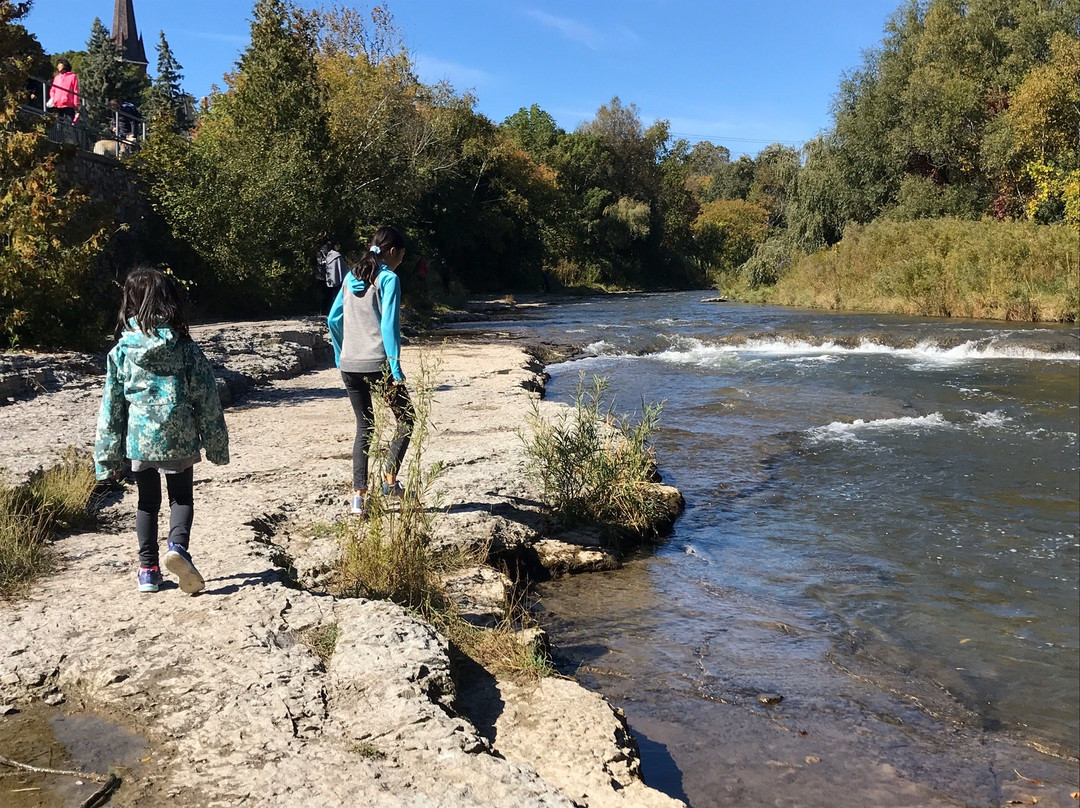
x=922, y=125
x=534, y=130
x=166, y=99
x=731, y=180
x=728, y=230
x=707, y=158
x=776, y=170
x=106, y=77
x=1040, y=132
x=102, y=76
x=250, y=191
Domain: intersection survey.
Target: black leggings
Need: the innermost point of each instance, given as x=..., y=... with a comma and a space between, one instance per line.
x=181, y=511
x=359, y=386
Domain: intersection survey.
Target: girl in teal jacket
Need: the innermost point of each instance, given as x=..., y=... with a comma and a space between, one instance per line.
x=160, y=406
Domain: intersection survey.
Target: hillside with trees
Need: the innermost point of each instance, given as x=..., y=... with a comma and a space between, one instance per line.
x=948, y=183
x=967, y=112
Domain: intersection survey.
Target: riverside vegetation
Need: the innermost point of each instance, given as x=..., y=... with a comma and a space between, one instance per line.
x=30, y=515
x=961, y=121
x=942, y=267
x=594, y=466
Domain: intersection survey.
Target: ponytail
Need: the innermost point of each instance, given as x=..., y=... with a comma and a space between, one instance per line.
x=384, y=240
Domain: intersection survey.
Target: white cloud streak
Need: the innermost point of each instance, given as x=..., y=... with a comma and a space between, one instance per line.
x=432, y=69
x=571, y=29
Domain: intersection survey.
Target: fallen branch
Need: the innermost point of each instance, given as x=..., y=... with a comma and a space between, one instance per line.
x=109, y=782
x=97, y=778
x=101, y=796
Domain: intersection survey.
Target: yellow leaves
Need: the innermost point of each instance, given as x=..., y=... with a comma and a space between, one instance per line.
x=728, y=230
x=1044, y=112
x=1052, y=183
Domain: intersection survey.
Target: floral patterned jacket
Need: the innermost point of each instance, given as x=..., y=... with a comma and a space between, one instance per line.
x=160, y=402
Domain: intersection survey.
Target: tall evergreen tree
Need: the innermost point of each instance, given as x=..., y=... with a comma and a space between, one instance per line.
x=167, y=96
x=106, y=77
x=102, y=75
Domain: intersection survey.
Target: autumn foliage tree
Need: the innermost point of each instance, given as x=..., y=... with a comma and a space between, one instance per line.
x=50, y=233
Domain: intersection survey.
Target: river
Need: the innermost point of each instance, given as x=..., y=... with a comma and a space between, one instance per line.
x=882, y=529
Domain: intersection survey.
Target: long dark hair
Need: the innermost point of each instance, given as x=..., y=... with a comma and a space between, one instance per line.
x=154, y=300
x=386, y=239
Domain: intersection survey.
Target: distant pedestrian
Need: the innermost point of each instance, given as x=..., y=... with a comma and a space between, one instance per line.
x=365, y=327
x=444, y=274
x=334, y=270
x=125, y=118
x=160, y=406
x=64, y=93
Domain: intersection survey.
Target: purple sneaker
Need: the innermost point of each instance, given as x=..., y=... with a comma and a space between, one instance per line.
x=149, y=579
x=178, y=562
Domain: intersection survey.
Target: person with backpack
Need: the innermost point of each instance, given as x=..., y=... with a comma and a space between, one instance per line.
x=365, y=328
x=334, y=269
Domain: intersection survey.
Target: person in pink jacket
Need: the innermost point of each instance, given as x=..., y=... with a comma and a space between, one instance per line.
x=64, y=93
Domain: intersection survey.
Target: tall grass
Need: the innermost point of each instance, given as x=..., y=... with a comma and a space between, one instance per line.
x=943, y=267
x=594, y=466
x=387, y=555
x=31, y=514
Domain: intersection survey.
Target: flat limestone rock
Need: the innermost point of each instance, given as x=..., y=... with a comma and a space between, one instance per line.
x=565, y=558
x=480, y=594
x=235, y=705
x=575, y=739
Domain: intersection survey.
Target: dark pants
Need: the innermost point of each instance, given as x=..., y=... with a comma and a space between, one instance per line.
x=359, y=387
x=328, y=296
x=181, y=511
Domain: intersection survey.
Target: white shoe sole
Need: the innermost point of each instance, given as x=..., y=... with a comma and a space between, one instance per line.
x=190, y=579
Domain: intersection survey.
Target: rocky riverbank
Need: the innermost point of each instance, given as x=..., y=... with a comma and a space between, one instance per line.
x=226, y=703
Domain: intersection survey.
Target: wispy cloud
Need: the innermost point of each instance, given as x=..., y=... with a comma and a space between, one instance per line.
x=571, y=29
x=432, y=69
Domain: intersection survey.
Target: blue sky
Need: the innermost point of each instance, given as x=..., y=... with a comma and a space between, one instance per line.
x=742, y=73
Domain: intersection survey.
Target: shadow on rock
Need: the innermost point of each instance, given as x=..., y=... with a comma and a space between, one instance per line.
x=264, y=578
x=478, y=697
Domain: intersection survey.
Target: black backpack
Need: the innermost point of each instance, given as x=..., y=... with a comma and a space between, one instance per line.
x=320, y=265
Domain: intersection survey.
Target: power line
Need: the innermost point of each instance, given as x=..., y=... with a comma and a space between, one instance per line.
x=737, y=139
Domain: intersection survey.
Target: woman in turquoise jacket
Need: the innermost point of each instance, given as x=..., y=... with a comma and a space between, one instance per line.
x=159, y=408
x=365, y=328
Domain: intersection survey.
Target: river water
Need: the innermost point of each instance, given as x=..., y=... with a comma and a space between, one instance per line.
x=881, y=527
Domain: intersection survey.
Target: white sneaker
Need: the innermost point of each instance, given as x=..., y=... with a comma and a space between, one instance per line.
x=178, y=562
x=358, y=505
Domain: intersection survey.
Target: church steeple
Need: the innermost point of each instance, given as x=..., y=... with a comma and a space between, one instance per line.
x=126, y=34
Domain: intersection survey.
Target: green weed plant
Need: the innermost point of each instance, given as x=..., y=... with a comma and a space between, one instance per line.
x=386, y=553
x=594, y=466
